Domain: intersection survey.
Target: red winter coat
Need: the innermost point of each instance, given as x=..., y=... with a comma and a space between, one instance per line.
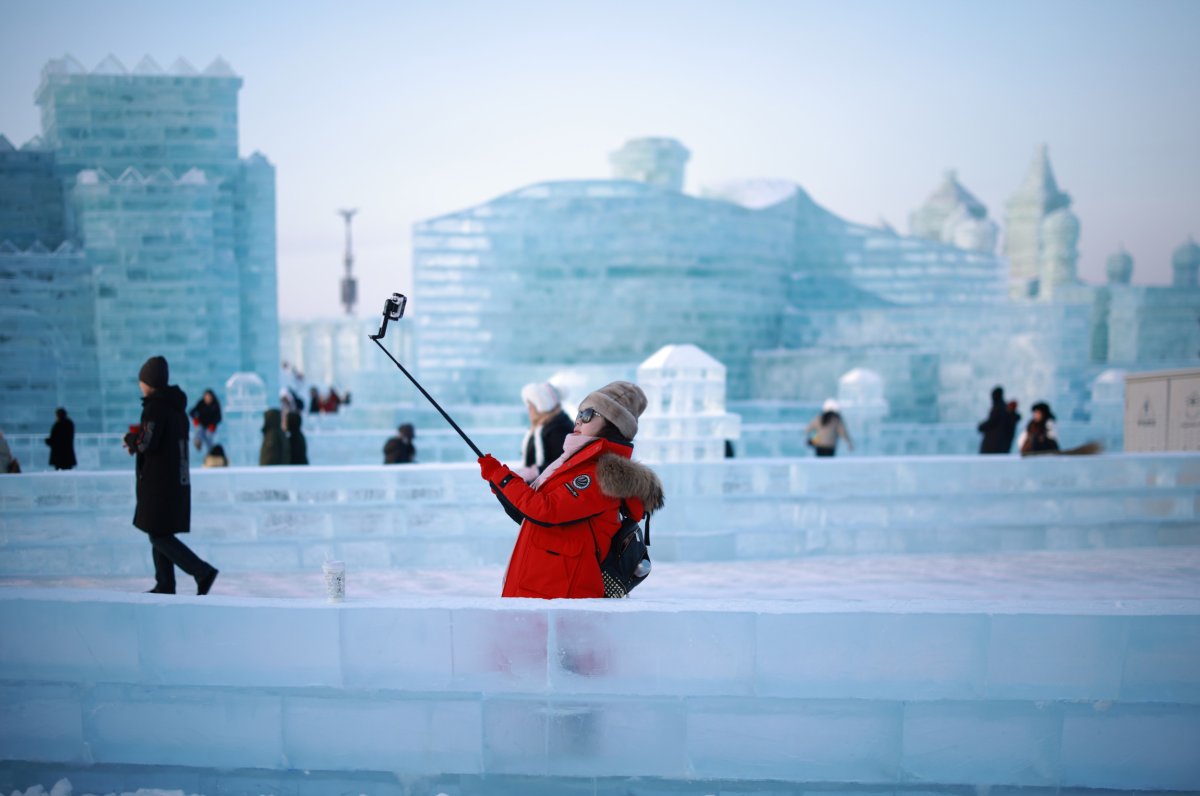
x=571, y=517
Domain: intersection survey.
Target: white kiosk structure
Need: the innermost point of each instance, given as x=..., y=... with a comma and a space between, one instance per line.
x=685, y=418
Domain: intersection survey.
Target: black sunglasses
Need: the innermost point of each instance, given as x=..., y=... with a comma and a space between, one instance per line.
x=585, y=415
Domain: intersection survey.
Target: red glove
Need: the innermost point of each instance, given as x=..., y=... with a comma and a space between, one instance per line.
x=491, y=469
x=212, y=429
x=196, y=422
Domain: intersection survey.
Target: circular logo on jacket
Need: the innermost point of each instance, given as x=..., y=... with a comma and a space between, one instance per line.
x=582, y=481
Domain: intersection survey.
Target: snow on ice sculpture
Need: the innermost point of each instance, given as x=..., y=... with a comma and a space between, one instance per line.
x=1109, y=388
x=862, y=405
x=685, y=418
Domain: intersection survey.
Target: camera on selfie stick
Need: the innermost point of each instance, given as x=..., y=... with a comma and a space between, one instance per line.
x=393, y=310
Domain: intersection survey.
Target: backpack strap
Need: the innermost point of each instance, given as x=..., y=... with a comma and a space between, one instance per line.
x=646, y=534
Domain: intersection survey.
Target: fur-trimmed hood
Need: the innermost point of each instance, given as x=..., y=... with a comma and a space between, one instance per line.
x=623, y=478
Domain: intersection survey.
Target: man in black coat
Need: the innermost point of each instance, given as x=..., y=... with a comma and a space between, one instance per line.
x=62, y=441
x=1000, y=427
x=400, y=449
x=297, y=445
x=164, y=491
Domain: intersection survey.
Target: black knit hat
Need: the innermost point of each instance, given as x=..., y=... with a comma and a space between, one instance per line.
x=1045, y=407
x=154, y=373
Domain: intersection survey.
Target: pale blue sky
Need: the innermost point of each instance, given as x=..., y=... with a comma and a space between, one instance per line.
x=412, y=110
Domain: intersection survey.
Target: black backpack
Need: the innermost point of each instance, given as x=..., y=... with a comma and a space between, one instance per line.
x=628, y=561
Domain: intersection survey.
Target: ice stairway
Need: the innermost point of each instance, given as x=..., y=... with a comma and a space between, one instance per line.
x=290, y=519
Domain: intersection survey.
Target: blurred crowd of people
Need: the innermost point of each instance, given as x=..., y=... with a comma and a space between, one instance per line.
x=1039, y=436
x=284, y=442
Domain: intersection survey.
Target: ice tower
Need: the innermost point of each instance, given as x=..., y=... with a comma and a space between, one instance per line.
x=138, y=170
x=1059, y=235
x=1119, y=268
x=655, y=161
x=1028, y=209
x=953, y=215
x=1185, y=264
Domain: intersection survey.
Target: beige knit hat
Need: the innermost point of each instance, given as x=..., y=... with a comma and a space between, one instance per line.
x=620, y=403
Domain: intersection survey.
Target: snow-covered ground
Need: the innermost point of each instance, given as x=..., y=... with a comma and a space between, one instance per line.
x=1127, y=574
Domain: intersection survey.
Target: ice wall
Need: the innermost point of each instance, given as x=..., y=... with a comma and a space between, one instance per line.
x=1149, y=326
x=31, y=197
x=48, y=354
x=289, y=519
x=938, y=362
x=670, y=267
x=1083, y=695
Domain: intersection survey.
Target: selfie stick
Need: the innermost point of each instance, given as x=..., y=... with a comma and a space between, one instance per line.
x=393, y=310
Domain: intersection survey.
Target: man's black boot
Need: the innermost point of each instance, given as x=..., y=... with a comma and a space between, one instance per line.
x=205, y=582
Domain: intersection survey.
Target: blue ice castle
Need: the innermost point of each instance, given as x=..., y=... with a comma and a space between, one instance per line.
x=132, y=227
x=788, y=295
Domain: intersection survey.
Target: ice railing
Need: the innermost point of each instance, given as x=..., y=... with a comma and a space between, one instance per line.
x=285, y=519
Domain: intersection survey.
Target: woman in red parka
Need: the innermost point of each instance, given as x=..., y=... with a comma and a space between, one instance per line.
x=570, y=512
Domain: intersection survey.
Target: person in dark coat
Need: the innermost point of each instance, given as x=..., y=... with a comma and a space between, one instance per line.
x=274, y=445
x=164, y=492
x=1012, y=429
x=206, y=416
x=62, y=441
x=8, y=462
x=296, y=444
x=549, y=427
x=1000, y=427
x=400, y=449
x=1039, y=436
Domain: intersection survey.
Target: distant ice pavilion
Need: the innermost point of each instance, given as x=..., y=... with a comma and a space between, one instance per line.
x=786, y=294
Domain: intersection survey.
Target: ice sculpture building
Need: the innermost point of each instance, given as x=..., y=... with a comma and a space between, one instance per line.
x=131, y=227
x=788, y=296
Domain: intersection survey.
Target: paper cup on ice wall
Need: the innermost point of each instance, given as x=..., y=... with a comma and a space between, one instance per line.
x=335, y=580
